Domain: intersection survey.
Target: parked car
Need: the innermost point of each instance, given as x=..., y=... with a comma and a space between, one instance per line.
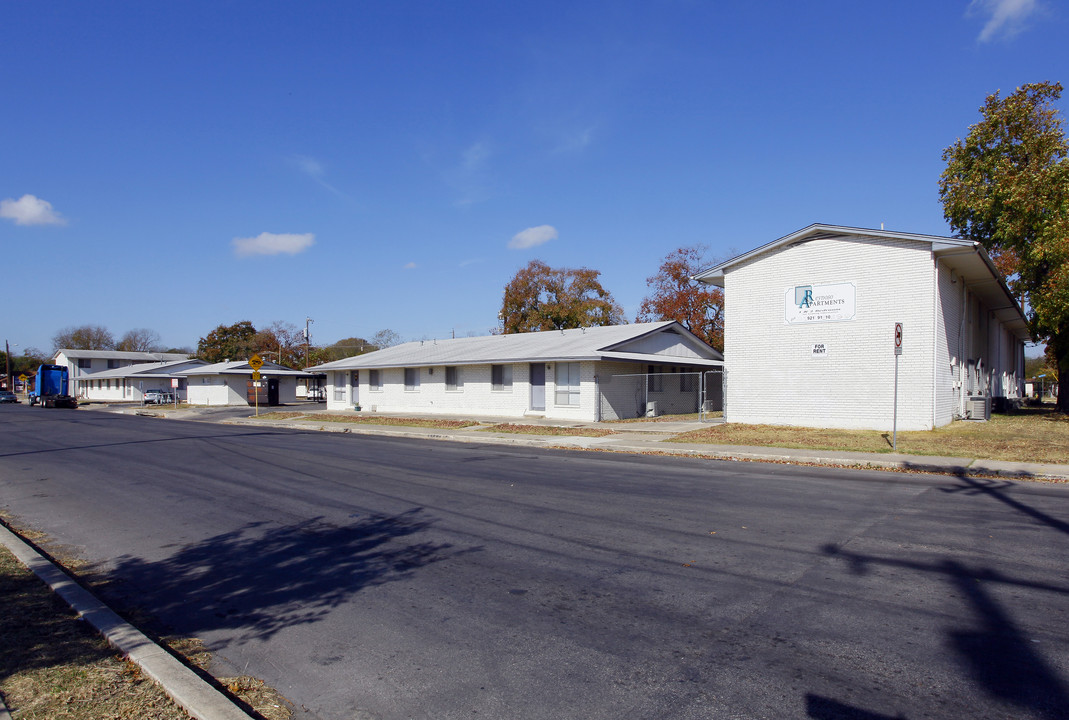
x=158, y=397
x=6, y=396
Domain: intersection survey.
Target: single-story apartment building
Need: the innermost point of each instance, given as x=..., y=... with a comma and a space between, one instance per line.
x=812, y=321
x=590, y=374
x=231, y=383
x=87, y=362
x=130, y=383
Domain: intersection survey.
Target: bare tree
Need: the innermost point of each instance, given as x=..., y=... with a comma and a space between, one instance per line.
x=140, y=340
x=84, y=337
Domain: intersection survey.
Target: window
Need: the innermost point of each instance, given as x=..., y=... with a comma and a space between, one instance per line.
x=374, y=380
x=411, y=379
x=501, y=377
x=85, y=364
x=452, y=379
x=113, y=364
x=339, y=387
x=566, y=379
x=654, y=380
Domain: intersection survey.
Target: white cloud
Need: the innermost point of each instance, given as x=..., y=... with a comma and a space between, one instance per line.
x=533, y=236
x=1005, y=18
x=30, y=210
x=409, y=266
x=273, y=244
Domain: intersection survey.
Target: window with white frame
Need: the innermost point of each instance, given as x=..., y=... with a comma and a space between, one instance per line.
x=113, y=364
x=453, y=380
x=566, y=382
x=85, y=364
x=339, y=386
x=501, y=378
x=374, y=380
x=411, y=379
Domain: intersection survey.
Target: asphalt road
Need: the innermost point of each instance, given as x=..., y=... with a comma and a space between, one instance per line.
x=385, y=578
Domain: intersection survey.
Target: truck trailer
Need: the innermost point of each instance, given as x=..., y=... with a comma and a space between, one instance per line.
x=51, y=387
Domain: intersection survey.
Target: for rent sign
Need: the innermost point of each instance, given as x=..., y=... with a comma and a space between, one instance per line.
x=818, y=303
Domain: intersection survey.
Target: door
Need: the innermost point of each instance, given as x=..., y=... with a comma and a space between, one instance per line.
x=355, y=380
x=538, y=386
x=272, y=391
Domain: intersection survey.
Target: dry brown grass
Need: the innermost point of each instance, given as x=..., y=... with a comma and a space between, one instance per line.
x=548, y=430
x=1028, y=435
x=392, y=421
x=282, y=415
x=54, y=666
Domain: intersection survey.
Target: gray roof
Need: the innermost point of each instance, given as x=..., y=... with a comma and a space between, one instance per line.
x=119, y=355
x=241, y=367
x=593, y=343
x=163, y=369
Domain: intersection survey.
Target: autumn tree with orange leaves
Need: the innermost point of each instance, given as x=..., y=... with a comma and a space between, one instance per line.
x=543, y=298
x=674, y=296
x=1006, y=185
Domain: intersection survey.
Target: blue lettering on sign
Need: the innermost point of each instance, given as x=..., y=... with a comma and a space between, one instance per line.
x=803, y=295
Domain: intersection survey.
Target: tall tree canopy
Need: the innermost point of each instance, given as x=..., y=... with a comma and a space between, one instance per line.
x=282, y=342
x=543, y=298
x=84, y=337
x=674, y=296
x=228, y=342
x=1006, y=185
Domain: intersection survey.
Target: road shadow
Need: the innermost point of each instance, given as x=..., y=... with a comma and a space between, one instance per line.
x=822, y=708
x=996, y=489
x=262, y=578
x=995, y=653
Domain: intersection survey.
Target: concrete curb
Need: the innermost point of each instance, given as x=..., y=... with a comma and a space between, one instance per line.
x=185, y=687
x=650, y=446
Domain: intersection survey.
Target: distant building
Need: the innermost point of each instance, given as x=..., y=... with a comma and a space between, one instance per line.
x=230, y=383
x=581, y=374
x=130, y=383
x=82, y=363
x=809, y=330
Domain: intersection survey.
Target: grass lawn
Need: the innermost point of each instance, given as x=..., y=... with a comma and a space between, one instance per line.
x=1027, y=435
x=547, y=430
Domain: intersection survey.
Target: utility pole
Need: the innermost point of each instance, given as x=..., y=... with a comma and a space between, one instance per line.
x=307, y=321
x=7, y=368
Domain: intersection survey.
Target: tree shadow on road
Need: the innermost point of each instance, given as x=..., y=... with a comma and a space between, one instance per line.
x=262, y=578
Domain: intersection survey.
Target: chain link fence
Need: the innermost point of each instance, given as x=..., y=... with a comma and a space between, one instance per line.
x=697, y=394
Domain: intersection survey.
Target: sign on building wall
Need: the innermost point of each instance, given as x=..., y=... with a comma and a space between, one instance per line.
x=818, y=303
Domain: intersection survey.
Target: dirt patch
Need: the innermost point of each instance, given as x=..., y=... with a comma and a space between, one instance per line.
x=547, y=430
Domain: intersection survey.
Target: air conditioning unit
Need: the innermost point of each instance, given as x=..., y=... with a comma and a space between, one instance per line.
x=651, y=409
x=978, y=407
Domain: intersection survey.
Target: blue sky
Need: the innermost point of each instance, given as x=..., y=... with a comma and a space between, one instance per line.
x=391, y=165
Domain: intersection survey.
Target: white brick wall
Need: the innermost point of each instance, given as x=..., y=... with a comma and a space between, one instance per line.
x=477, y=398
x=773, y=376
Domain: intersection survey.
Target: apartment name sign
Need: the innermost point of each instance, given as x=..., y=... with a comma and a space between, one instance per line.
x=805, y=304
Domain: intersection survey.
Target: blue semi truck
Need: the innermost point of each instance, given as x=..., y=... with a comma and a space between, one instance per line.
x=51, y=387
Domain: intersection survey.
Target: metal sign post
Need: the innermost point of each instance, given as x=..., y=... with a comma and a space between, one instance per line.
x=894, y=421
x=255, y=362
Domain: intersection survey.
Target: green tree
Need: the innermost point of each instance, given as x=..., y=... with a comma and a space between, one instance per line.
x=228, y=342
x=675, y=296
x=84, y=337
x=543, y=298
x=1006, y=185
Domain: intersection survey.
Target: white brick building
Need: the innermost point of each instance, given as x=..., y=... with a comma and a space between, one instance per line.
x=130, y=383
x=809, y=330
x=230, y=383
x=562, y=374
x=83, y=363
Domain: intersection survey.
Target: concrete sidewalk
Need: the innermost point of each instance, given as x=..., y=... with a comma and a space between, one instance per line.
x=656, y=438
